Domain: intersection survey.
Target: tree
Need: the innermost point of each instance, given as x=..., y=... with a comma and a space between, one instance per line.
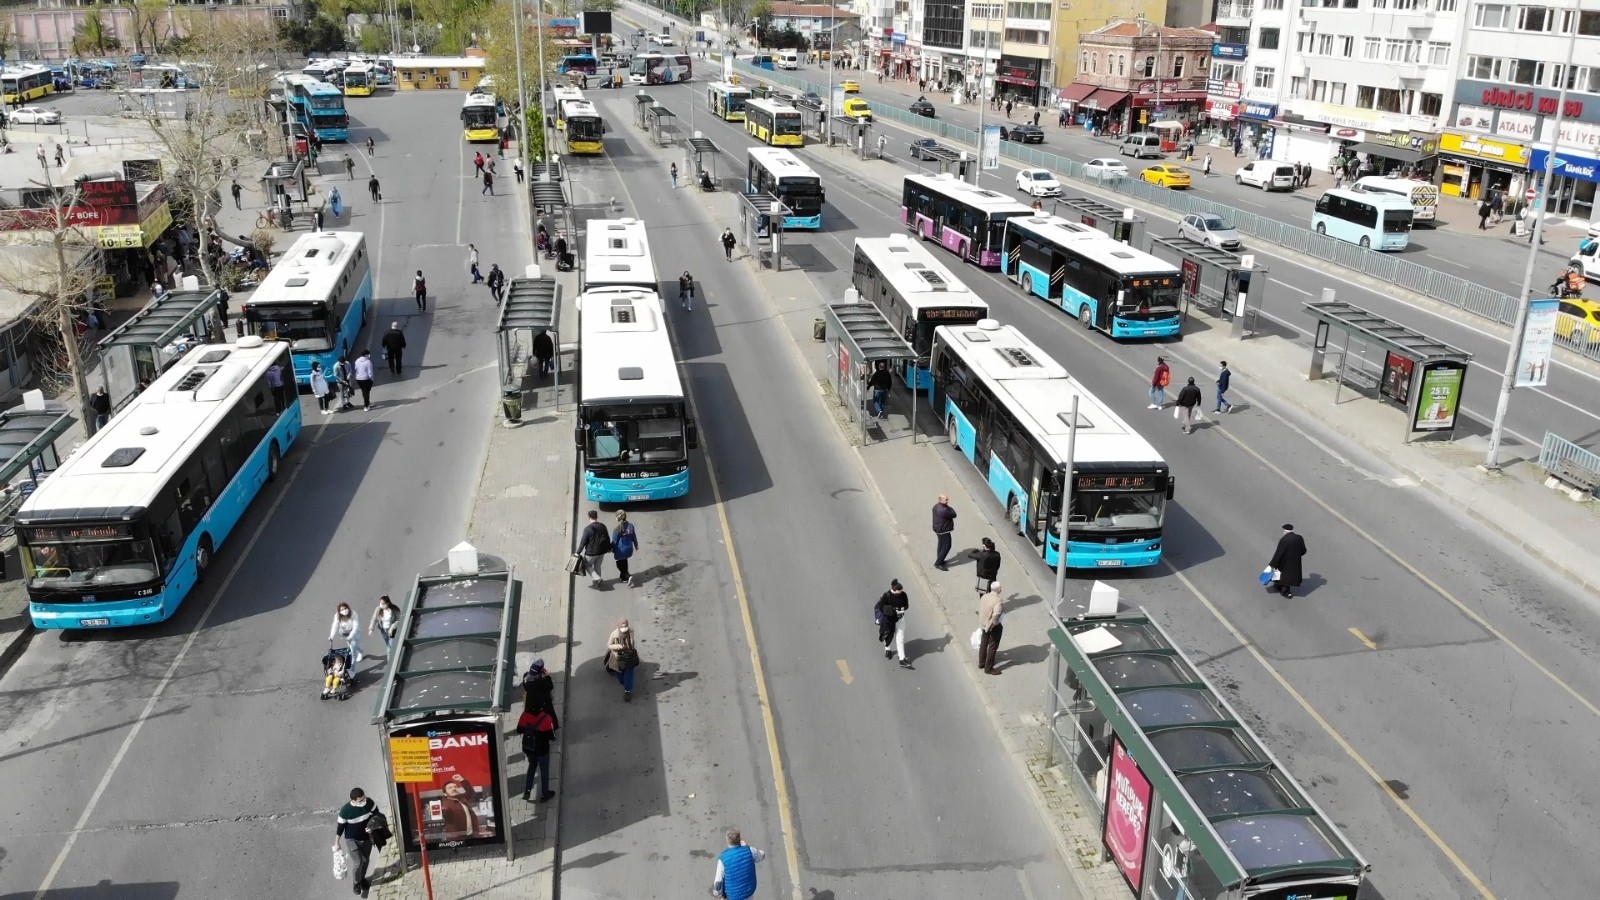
x=500, y=62
x=8, y=37
x=150, y=21
x=92, y=37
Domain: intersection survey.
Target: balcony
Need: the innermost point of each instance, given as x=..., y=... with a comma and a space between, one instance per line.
x=1235, y=11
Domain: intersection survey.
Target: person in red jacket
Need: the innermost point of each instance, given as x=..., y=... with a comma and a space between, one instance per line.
x=1158, y=383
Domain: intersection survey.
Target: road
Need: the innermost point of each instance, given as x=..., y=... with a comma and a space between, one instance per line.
x=1478, y=693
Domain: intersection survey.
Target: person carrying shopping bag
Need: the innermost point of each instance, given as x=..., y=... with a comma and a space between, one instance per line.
x=622, y=657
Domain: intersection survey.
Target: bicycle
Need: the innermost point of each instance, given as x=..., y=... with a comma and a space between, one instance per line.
x=264, y=219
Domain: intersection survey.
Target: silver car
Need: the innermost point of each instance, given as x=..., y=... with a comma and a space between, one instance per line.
x=1209, y=229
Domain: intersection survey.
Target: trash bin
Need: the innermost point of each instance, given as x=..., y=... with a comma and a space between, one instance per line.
x=511, y=402
x=819, y=330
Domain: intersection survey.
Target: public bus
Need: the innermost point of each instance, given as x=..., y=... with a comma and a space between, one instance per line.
x=1424, y=197
x=616, y=253
x=358, y=80
x=775, y=123
x=777, y=172
x=727, y=101
x=965, y=219
x=559, y=95
x=479, y=120
x=383, y=72
x=316, y=298
x=330, y=71
x=915, y=293
x=166, y=75
x=122, y=532
x=1108, y=285
x=1007, y=407
x=25, y=84
x=578, y=64
x=1374, y=220
x=584, y=130
x=320, y=108
x=660, y=68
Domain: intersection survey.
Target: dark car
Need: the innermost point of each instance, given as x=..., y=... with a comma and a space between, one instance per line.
x=1022, y=133
x=811, y=99
x=922, y=107
x=923, y=148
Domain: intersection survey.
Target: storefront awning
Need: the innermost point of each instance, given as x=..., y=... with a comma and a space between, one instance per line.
x=1012, y=79
x=1075, y=92
x=1384, y=151
x=1104, y=99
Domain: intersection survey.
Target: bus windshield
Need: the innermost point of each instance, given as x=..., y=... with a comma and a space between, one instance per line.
x=1149, y=302
x=583, y=128
x=1117, y=510
x=305, y=328
x=51, y=560
x=789, y=123
x=634, y=434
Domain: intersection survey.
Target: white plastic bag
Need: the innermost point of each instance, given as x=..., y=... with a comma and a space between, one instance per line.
x=1177, y=412
x=341, y=864
x=977, y=638
x=1199, y=416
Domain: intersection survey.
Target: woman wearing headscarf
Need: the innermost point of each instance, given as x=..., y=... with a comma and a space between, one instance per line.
x=622, y=657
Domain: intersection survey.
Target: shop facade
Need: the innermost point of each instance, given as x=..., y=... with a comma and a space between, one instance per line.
x=1472, y=165
x=1382, y=143
x=1503, y=139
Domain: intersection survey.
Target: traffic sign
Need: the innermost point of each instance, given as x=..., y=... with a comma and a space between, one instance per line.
x=411, y=759
x=1531, y=194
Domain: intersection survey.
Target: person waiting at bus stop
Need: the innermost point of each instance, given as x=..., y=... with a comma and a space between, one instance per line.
x=880, y=382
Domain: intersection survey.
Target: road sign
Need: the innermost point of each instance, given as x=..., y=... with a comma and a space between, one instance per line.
x=1531, y=194
x=411, y=759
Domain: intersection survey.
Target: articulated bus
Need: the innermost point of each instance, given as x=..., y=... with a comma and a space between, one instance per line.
x=965, y=219
x=479, y=119
x=1108, y=285
x=1377, y=221
x=559, y=95
x=660, y=68
x=121, y=533
x=358, y=80
x=616, y=253
x=1007, y=407
x=584, y=130
x=915, y=293
x=727, y=100
x=777, y=172
x=316, y=298
x=25, y=84
x=320, y=107
x=775, y=123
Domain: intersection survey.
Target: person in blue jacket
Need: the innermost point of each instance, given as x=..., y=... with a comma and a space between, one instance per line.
x=736, y=869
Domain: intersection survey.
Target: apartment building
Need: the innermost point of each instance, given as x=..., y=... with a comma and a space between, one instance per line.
x=1075, y=19
x=1133, y=73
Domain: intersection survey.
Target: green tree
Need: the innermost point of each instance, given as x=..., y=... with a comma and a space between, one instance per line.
x=374, y=38
x=92, y=37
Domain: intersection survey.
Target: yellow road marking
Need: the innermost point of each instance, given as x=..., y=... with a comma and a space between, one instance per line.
x=1363, y=638
x=844, y=671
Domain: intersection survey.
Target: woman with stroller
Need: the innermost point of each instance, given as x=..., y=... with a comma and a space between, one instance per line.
x=385, y=618
x=347, y=627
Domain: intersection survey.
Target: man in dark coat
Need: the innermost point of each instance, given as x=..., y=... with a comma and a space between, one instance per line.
x=1286, y=560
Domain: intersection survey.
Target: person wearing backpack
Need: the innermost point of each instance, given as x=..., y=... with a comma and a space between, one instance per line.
x=624, y=541
x=538, y=730
x=890, y=612
x=593, y=545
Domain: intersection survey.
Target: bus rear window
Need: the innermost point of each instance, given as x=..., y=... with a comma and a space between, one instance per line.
x=1396, y=221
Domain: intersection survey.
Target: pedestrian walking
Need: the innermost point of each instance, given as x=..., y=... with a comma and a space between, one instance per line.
x=736, y=869
x=890, y=613
x=544, y=350
x=622, y=657
x=944, y=526
x=61, y=156
x=1285, y=562
x=538, y=689
x=489, y=167
x=419, y=287
x=394, y=347
x=686, y=290
x=1338, y=176
x=349, y=167
x=1188, y=408
x=516, y=169
x=991, y=610
x=488, y=184
x=363, y=373
x=1159, y=379
x=1497, y=205
x=100, y=404
x=472, y=263
x=385, y=618
x=1036, y=118
x=728, y=240
x=880, y=381
x=673, y=171
x=594, y=542
x=538, y=730
x=624, y=541
x=346, y=627
x=987, y=562
x=1238, y=146
x=496, y=282
x=1224, y=379
x=369, y=146
x=39, y=152
x=1484, y=209
x=373, y=190
x=350, y=834
x=236, y=190
x=344, y=380
x=1207, y=166
x=316, y=219
x=319, y=388
x=477, y=163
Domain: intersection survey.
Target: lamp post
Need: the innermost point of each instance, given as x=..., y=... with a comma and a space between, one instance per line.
x=522, y=85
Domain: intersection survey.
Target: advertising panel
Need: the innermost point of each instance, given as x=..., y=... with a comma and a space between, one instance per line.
x=1438, y=396
x=1127, y=815
x=461, y=802
x=1191, y=278
x=1538, y=343
x=1473, y=118
x=1396, y=384
x=991, y=147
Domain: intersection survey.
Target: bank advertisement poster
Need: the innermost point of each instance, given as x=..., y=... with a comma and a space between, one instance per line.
x=460, y=805
x=1127, y=815
x=1538, y=343
x=1439, y=396
x=991, y=148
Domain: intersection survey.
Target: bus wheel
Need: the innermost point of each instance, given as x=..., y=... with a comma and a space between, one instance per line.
x=1027, y=283
x=1085, y=317
x=1014, y=511
x=274, y=459
x=202, y=557
x=955, y=433
x=1366, y=242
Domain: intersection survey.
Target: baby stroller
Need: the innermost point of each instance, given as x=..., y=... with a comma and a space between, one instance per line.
x=339, y=674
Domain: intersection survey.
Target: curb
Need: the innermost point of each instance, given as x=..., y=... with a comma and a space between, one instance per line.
x=15, y=644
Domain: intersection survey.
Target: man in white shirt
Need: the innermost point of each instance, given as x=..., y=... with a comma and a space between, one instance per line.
x=364, y=378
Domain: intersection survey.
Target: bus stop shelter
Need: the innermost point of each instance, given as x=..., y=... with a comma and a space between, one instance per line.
x=642, y=102
x=28, y=435
x=1215, y=279
x=1121, y=223
x=850, y=130
x=862, y=338
x=946, y=160
x=761, y=225
x=662, y=124
x=140, y=348
x=447, y=680
x=532, y=305
x=701, y=152
x=1420, y=375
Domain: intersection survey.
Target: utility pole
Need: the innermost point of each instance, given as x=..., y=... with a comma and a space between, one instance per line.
x=983, y=104
x=522, y=86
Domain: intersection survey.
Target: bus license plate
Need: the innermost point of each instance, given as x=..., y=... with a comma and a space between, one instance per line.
x=91, y=623
x=632, y=497
x=1108, y=562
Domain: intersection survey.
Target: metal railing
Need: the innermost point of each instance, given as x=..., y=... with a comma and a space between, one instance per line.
x=1387, y=268
x=1558, y=453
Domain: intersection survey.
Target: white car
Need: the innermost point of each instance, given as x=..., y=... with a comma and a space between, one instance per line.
x=1266, y=174
x=1038, y=183
x=35, y=116
x=1105, y=168
x=1209, y=229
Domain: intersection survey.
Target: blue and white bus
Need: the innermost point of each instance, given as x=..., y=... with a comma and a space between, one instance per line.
x=320, y=108
x=777, y=172
x=121, y=533
x=727, y=100
x=1108, y=285
x=316, y=298
x=915, y=293
x=1377, y=221
x=1007, y=407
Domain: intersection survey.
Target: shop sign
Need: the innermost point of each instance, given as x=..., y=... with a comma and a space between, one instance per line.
x=1229, y=51
x=1530, y=101
x=899, y=40
x=1149, y=87
x=1423, y=143
x=1476, y=118
x=1252, y=109
x=1350, y=116
x=119, y=237
x=1483, y=148
x=1220, y=110
x=1225, y=90
x=1581, y=136
x=1515, y=125
x=102, y=194
x=1582, y=168
x=1347, y=134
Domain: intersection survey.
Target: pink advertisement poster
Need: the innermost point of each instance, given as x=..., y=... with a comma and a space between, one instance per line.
x=1127, y=814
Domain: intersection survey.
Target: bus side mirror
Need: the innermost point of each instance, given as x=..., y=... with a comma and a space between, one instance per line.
x=1171, y=487
x=577, y=436
x=693, y=432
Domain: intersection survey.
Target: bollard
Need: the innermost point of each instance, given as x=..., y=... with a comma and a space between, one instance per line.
x=819, y=330
x=511, y=403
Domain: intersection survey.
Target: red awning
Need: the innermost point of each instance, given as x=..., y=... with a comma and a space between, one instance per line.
x=1104, y=99
x=1012, y=79
x=1076, y=91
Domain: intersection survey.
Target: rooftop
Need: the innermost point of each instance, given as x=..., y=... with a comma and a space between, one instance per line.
x=810, y=11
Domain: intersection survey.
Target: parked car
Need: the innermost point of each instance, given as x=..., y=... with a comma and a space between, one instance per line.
x=1105, y=168
x=922, y=148
x=811, y=99
x=33, y=115
x=850, y=87
x=1166, y=175
x=1141, y=144
x=922, y=107
x=1022, y=133
x=1038, y=183
x=1266, y=174
x=1209, y=229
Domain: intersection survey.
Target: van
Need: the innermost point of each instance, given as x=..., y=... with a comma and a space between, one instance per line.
x=1424, y=197
x=857, y=108
x=788, y=59
x=1141, y=144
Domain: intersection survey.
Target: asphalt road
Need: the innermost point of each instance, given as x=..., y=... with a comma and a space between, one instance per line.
x=1478, y=704
x=195, y=759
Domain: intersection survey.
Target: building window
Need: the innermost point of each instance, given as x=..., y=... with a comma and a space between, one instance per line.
x=1438, y=53
x=1389, y=100
x=1319, y=90
x=1484, y=68
x=1177, y=66
x=1350, y=4
x=1272, y=4
x=1267, y=39
x=1148, y=70
x=1305, y=42
x=1380, y=4
x=1265, y=77
x=280, y=12
x=1365, y=96
x=1336, y=93
x=1446, y=6
x=1525, y=71
x=1083, y=56
x=987, y=11
x=1492, y=15
x=1122, y=62
x=1347, y=46
x=1297, y=87
x=1535, y=18
x=1407, y=4
x=1370, y=47
x=1430, y=104
x=1095, y=64
x=1589, y=23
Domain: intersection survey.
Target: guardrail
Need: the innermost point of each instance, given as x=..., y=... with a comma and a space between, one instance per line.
x=1570, y=463
x=1388, y=268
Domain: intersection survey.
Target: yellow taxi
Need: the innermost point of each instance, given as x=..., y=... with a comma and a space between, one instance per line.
x=857, y=108
x=1166, y=175
x=1579, y=322
x=851, y=87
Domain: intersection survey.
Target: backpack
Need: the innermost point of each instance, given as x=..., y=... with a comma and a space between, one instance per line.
x=1164, y=378
x=624, y=543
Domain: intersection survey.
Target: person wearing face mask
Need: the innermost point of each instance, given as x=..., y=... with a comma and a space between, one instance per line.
x=347, y=627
